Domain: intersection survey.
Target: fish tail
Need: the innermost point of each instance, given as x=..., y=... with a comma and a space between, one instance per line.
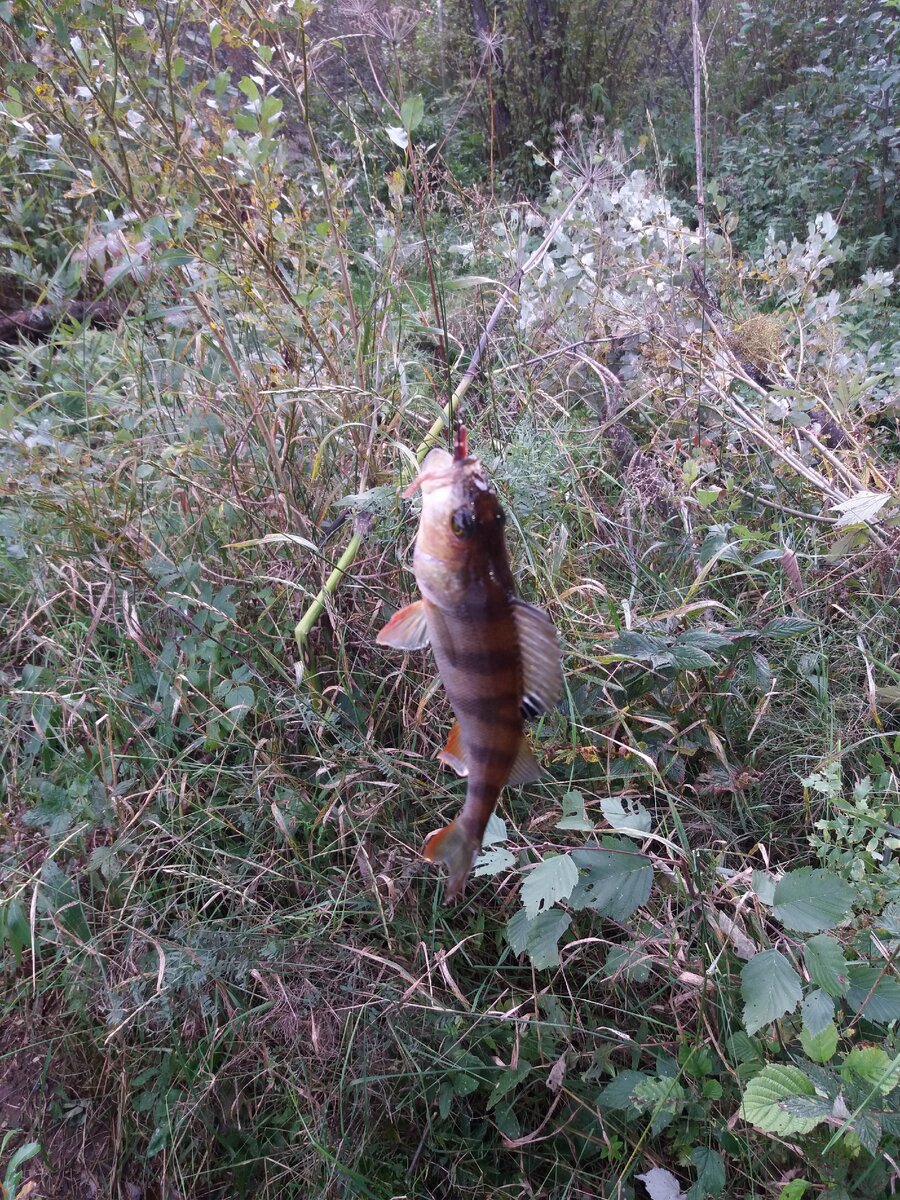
x=456, y=849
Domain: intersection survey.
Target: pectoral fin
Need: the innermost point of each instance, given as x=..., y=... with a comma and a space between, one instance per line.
x=526, y=768
x=406, y=630
x=541, y=660
x=453, y=754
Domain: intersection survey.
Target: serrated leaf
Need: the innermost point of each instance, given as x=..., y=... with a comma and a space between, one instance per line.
x=807, y=1106
x=820, y=1047
x=544, y=933
x=59, y=897
x=763, y=886
x=551, y=880
x=770, y=987
x=764, y=1099
x=637, y=646
x=493, y=861
x=810, y=899
x=785, y=627
x=507, y=1082
x=859, y=509
x=826, y=965
x=626, y=814
x=710, y=1173
x=817, y=1011
x=705, y=639
x=661, y=1184
x=574, y=816
x=617, y=882
x=872, y=1066
x=691, y=658
x=494, y=832
x=874, y=993
x=238, y=702
x=516, y=932
x=663, y=1099
x=619, y=1093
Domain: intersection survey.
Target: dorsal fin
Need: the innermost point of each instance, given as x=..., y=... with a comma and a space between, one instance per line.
x=542, y=679
x=526, y=768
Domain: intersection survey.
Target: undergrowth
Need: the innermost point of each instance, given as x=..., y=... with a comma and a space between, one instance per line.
x=226, y=970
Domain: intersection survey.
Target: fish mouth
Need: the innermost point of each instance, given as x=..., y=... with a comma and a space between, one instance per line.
x=441, y=470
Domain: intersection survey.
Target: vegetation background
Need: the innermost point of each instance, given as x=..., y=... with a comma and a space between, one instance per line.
x=252, y=256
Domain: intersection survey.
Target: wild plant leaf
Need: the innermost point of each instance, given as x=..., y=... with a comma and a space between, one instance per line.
x=710, y=1166
x=638, y=646
x=412, y=112
x=705, y=639
x=59, y=897
x=785, y=627
x=662, y=1099
x=807, y=1106
x=238, y=702
x=551, y=880
x=626, y=814
x=810, y=899
x=820, y=1046
x=516, y=933
x=770, y=987
x=826, y=965
x=619, y=1093
x=508, y=1082
x=494, y=832
x=661, y=1184
x=764, y=886
x=817, y=1011
x=875, y=993
x=691, y=658
x=617, y=880
x=544, y=933
x=493, y=861
x=574, y=815
x=764, y=1100
x=871, y=1065
x=861, y=508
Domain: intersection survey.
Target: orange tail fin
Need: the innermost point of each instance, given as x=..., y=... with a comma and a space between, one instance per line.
x=456, y=850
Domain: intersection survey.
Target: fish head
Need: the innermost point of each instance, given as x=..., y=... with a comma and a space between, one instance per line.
x=460, y=542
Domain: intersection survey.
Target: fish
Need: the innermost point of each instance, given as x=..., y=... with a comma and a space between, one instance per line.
x=497, y=656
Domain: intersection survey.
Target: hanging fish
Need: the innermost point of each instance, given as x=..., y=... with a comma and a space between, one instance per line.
x=497, y=656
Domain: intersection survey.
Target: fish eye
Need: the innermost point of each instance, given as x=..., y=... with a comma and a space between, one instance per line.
x=462, y=522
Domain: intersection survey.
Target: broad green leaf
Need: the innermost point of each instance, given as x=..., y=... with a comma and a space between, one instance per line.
x=574, y=816
x=874, y=993
x=517, y=931
x=617, y=882
x=626, y=814
x=663, y=1099
x=238, y=702
x=507, y=1082
x=710, y=1173
x=495, y=831
x=59, y=897
x=544, y=933
x=691, y=658
x=785, y=627
x=795, y=1190
x=619, y=1093
x=412, y=112
x=873, y=1066
x=817, y=1011
x=630, y=960
x=637, y=646
x=551, y=880
x=493, y=861
x=826, y=964
x=764, y=886
x=809, y=900
x=820, y=1047
x=770, y=987
x=249, y=88
x=764, y=1101
x=704, y=639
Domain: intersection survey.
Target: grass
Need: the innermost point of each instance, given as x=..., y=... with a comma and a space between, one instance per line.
x=226, y=970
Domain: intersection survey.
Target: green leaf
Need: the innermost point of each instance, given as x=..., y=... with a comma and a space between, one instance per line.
x=817, y=1011
x=785, y=627
x=764, y=886
x=663, y=1099
x=551, y=880
x=770, y=987
x=764, y=1101
x=691, y=658
x=398, y=135
x=872, y=1066
x=809, y=900
x=249, y=88
x=495, y=831
x=544, y=933
x=238, y=702
x=874, y=993
x=617, y=882
x=412, y=112
x=507, y=1082
x=619, y=1093
x=493, y=861
x=826, y=964
x=820, y=1047
x=795, y=1190
x=704, y=639
x=517, y=931
x=710, y=1173
x=637, y=646
x=59, y=897
x=574, y=816
x=625, y=814
x=862, y=507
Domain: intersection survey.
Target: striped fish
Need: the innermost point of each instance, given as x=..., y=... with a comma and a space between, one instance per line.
x=497, y=657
